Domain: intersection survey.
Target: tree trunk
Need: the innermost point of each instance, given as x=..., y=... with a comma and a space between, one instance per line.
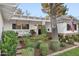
x=55, y=40
x=53, y=22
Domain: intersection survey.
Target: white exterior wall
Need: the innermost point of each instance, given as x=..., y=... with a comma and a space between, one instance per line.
x=62, y=28
x=1, y=25
x=48, y=26
x=32, y=26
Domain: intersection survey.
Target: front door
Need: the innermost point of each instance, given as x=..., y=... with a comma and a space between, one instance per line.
x=39, y=29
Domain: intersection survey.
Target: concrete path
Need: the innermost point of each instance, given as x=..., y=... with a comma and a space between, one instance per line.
x=76, y=43
x=56, y=53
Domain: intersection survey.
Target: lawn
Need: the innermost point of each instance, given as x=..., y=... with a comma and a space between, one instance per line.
x=73, y=52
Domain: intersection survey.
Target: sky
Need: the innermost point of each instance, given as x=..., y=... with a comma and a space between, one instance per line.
x=35, y=9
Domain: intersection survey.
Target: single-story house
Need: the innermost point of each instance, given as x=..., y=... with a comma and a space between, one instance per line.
x=23, y=24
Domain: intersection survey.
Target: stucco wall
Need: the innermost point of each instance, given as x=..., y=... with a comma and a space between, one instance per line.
x=62, y=28
x=32, y=25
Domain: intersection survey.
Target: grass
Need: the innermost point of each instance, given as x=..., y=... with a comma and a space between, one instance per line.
x=73, y=52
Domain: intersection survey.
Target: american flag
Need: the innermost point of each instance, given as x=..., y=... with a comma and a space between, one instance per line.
x=71, y=23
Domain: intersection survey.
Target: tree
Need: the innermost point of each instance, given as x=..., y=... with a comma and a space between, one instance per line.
x=59, y=9
x=54, y=10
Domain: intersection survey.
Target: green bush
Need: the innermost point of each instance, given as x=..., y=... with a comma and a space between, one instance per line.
x=33, y=33
x=43, y=30
x=71, y=41
x=43, y=37
x=63, y=38
x=37, y=44
x=9, y=43
x=28, y=51
x=76, y=38
x=44, y=48
x=34, y=38
x=55, y=45
x=63, y=44
x=28, y=43
x=0, y=44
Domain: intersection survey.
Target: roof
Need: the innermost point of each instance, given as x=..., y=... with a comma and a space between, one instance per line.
x=32, y=18
x=65, y=18
x=7, y=9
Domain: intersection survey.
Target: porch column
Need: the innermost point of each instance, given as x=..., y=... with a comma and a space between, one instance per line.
x=43, y=22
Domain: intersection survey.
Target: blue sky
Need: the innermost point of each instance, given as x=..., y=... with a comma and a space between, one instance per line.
x=35, y=9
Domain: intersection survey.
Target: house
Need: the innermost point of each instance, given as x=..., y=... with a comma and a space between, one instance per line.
x=23, y=24
x=6, y=12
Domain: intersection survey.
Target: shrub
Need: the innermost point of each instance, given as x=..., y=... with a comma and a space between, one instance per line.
x=43, y=30
x=62, y=38
x=28, y=43
x=63, y=44
x=32, y=32
x=37, y=44
x=76, y=38
x=0, y=44
x=44, y=49
x=42, y=37
x=71, y=41
x=28, y=51
x=55, y=45
x=34, y=38
x=9, y=43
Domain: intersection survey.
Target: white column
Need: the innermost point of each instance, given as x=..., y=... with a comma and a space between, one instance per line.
x=1, y=25
x=43, y=22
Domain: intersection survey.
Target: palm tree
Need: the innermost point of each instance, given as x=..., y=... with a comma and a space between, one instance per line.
x=54, y=10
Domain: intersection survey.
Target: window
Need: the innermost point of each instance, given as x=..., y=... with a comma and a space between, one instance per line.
x=48, y=29
x=69, y=27
x=13, y=26
x=75, y=27
x=18, y=26
x=25, y=26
